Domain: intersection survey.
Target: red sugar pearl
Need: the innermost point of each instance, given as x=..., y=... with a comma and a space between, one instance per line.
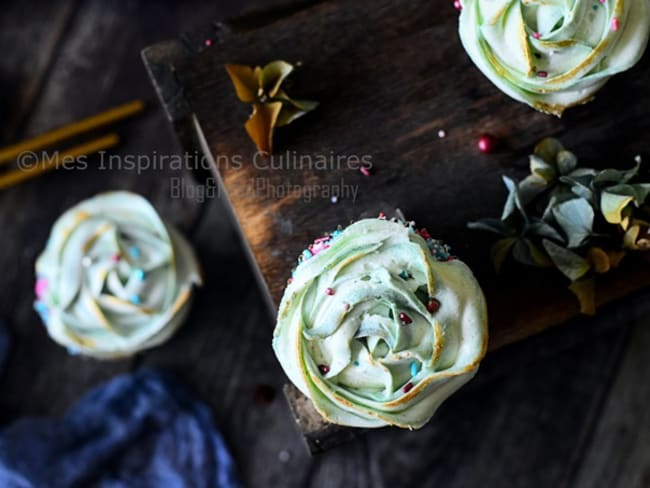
x=458, y=5
x=408, y=387
x=323, y=369
x=486, y=143
x=406, y=320
x=329, y=291
x=433, y=306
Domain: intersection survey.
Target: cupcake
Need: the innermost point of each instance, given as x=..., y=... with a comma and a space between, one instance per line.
x=554, y=55
x=114, y=279
x=379, y=324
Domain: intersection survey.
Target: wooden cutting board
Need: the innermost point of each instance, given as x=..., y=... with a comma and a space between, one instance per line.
x=389, y=74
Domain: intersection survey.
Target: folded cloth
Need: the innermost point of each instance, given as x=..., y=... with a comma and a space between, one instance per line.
x=4, y=345
x=139, y=430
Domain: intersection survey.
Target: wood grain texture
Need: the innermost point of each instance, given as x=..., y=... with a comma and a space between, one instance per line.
x=382, y=72
x=619, y=454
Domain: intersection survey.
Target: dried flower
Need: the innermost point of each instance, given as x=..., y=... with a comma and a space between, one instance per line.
x=579, y=220
x=272, y=106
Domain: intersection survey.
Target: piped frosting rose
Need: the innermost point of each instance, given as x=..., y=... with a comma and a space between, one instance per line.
x=379, y=325
x=554, y=54
x=114, y=279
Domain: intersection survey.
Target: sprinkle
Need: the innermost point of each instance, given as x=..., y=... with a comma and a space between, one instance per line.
x=405, y=275
x=336, y=233
x=638, y=159
x=334, y=199
x=406, y=320
x=329, y=291
x=487, y=143
x=408, y=387
x=442, y=134
x=41, y=287
x=365, y=171
x=356, y=363
x=134, y=252
x=115, y=258
x=458, y=5
x=307, y=254
x=542, y=74
x=140, y=274
x=382, y=216
x=536, y=35
x=41, y=309
x=414, y=368
x=135, y=300
x=615, y=24
x=425, y=233
x=208, y=42
x=289, y=281
x=433, y=306
x=323, y=369
x=86, y=261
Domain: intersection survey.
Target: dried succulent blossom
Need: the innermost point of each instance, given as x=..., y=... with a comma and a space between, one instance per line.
x=272, y=106
x=582, y=221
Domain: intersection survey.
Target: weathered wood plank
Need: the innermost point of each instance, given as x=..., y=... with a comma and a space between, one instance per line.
x=387, y=66
x=29, y=38
x=619, y=452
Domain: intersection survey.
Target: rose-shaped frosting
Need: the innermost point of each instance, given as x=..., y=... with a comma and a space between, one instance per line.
x=113, y=278
x=554, y=54
x=379, y=325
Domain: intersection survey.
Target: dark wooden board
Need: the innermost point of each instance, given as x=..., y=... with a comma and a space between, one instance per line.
x=389, y=75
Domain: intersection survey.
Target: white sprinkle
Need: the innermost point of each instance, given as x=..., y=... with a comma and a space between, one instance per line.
x=638, y=159
x=284, y=456
x=334, y=199
x=442, y=134
x=86, y=261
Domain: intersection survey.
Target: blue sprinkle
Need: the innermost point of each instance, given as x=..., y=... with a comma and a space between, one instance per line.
x=135, y=299
x=140, y=274
x=307, y=254
x=405, y=275
x=414, y=369
x=42, y=310
x=336, y=233
x=135, y=252
x=356, y=363
x=73, y=351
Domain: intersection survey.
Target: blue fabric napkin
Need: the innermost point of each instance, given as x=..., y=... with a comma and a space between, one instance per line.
x=139, y=430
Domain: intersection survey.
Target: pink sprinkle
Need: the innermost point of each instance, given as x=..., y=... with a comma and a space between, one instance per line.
x=208, y=42
x=322, y=239
x=536, y=35
x=425, y=233
x=365, y=171
x=382, y=215
x=615, y=24
x=323, y=369
x=408, y=387
x=115, y=258
x=41, y=288
x=290, y=280
x=542, y=74
x=329, y=291
x=458, y=5
x=603, y=1
x=318, y=247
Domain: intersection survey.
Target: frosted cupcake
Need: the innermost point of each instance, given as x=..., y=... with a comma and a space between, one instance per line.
x=379, y=325
x=114, y=279
x=553, y=55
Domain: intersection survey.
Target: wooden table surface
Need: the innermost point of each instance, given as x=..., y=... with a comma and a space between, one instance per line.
x=567, y=408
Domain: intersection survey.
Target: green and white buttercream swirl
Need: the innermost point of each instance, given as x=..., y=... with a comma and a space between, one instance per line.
x=114, y=279
x=554, y=54
x=376, y=331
